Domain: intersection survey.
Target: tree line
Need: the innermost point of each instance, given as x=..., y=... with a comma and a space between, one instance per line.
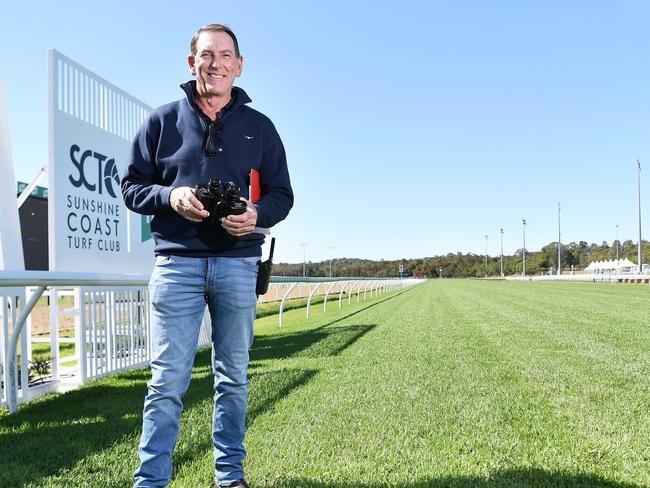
x=576, y=256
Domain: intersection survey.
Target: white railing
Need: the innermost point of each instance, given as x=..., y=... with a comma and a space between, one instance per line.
x=111, y=323
x=593, y=277
x=113, y=330
x=80, y=93
x=375, y=287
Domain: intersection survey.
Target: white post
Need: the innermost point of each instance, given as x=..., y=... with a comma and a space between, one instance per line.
x=486, y=257
x=365, y=289
x=351, y=292
x=4, y=340
x=501, y=252
x=25, y=343
x=559, y=242
x=131, y=317
x=326, y=294
x=18, y=330
x=11, y=244
x=80, y=333
x=329, y=248
x=341, y=293
x=640, y=248
x=54, y=331
x=283, y=300
x=28, y=331
x=304, y=259
x=110, y=329
x=524, y=251
x=310, y=296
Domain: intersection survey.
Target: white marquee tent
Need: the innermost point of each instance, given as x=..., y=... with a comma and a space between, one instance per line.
x=612, y=265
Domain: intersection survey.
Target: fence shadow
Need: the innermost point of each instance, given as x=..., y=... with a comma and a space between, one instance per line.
x=374, y=304
x=509, y=478
x=320, y=342
x=265, y=390
x=304, y=343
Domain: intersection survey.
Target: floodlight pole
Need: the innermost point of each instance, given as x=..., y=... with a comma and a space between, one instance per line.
x=440, y=270
x=523, y=271
x=329, y=248
x=501, y=252
x=618, y=242
x=640, y=250
x=486, y=268
x=559, y=242
x=304, y=259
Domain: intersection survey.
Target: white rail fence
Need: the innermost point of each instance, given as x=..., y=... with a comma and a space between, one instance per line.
x=593, y=277
x=109, y=315
x=328, y=287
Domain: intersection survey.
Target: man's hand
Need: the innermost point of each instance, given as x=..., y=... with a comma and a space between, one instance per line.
x=240, y=225
x=183, y=201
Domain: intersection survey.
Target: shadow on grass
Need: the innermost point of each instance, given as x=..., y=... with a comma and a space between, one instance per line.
x=278, y=346
x=265, y=390
x=319, y=342
x=510, y=478
x=53, y=434
x=352, y=314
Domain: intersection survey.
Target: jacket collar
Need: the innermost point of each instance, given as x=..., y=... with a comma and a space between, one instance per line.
x=238, y=98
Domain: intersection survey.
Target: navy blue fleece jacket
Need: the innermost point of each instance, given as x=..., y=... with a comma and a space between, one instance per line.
x=169, y=152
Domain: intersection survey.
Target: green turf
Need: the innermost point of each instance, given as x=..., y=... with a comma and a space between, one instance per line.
x=452, y=383
x=65, y=349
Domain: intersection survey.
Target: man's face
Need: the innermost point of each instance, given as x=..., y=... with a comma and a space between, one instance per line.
x=215, y=64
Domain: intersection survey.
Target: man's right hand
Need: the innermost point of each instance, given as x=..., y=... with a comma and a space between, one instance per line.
x=183, y=201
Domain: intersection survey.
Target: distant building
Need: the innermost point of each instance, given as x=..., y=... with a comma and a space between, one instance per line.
x=33, y=227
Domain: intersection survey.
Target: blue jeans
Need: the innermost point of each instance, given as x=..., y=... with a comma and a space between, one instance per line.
x=179, y=289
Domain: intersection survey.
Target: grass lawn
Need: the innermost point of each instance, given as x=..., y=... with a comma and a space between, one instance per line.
x=451, y=383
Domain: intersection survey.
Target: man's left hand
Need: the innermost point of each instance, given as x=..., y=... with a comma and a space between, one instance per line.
x=240, y=225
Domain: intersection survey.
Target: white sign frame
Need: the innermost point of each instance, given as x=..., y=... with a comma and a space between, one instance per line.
x=92, y=125
x=11, y=243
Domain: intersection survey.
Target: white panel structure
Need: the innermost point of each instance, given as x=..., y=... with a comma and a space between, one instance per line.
x=11, y=244
x=92, y=124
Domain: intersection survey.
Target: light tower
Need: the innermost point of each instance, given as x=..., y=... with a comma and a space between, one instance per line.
x=523, y=270
x=640, y=250
x=559, y=242
x=329, y=248
x=501, y=252
x=486, y=268
x=304, y=258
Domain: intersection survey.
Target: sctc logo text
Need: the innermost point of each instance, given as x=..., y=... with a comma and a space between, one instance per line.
x=107, y=174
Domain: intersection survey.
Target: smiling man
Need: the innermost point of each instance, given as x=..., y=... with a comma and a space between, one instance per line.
x=210, y=133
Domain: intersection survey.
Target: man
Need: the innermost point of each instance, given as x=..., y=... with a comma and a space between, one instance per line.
x=209, y=133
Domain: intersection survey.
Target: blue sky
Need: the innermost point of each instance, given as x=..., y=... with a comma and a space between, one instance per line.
x=412, y=129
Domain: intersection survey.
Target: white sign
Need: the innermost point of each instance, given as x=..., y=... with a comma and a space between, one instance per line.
x=92, y=124
x=11, y=244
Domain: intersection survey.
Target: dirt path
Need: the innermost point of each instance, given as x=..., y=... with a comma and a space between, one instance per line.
x=41, y=319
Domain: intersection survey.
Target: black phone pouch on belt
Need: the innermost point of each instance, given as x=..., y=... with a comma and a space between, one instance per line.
x=264, y=272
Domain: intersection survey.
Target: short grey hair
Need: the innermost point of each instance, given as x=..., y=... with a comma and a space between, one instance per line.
x=214, y=28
